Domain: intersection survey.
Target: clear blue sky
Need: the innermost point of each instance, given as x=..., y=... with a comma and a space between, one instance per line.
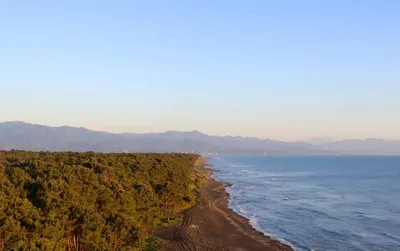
x=287, y=70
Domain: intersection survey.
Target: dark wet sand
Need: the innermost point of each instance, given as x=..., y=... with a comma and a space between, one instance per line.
x=210, y=225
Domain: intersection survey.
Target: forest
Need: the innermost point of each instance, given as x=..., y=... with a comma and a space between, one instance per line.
x=90, y=201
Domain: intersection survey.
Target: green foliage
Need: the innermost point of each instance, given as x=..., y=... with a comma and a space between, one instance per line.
x=152, y=244
x=89, y=201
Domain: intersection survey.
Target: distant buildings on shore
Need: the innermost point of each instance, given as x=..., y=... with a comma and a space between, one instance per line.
x=202, y=153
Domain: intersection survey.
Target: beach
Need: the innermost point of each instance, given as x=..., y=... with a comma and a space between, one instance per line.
x=211, y=225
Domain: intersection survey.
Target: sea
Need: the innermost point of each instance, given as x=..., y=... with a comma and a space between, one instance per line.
x=317, y=202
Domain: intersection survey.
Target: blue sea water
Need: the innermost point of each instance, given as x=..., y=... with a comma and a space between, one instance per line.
x=317, y=202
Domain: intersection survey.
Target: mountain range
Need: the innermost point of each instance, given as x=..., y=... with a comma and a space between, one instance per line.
x=25, y=136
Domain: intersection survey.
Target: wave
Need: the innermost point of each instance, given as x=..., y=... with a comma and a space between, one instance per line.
x=237, y=165
x=317, y=213
x=382, y=239
x=392, y=237
x=215, y=177
x=250, y=182
x=252, y=218
x=254, y=221
x=266, y=182
x=324, y=210
x=242, y=210
x=234, y=192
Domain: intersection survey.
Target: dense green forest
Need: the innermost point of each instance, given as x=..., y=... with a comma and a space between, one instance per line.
x=89, y=201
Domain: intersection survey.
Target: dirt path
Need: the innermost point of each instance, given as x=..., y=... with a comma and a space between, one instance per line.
x=180, y=233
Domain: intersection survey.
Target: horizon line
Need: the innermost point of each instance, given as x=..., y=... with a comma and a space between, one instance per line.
x=331, y=139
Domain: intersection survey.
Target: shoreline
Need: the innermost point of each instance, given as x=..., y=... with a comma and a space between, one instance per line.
x=228, y=202
x=212, y=225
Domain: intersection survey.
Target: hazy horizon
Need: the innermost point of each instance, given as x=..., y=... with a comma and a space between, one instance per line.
x=287, y=71
x=312, y=140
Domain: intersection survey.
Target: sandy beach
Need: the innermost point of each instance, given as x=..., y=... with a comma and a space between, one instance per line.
x=211, y=225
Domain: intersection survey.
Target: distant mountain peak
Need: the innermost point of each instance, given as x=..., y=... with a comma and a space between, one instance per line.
x=14, y=123
x=197, y=132
x=25, y=136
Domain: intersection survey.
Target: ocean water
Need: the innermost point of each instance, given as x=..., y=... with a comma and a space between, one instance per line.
x=317, y=202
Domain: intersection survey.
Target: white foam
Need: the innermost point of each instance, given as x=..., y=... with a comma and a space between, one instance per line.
x=266, y=183
x=242, y=210
x=254, y=222
x=233, y=203
x=214, y=178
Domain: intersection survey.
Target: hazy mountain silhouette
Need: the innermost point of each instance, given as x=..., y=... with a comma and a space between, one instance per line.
x=24, y=136
x=319, y=140
x=367, y=146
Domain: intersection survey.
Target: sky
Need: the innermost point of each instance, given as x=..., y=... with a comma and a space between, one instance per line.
x=287, y=70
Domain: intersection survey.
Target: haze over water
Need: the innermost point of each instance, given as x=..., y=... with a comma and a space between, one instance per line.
x=317, y=202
